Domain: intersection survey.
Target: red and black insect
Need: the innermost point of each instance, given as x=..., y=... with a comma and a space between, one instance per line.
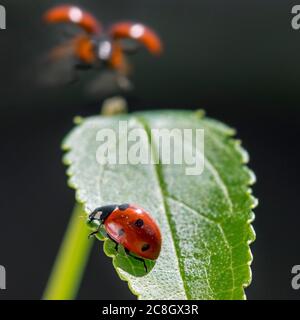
x=132, y=227
x=96, y=47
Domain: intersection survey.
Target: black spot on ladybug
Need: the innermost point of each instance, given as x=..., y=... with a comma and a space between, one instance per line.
x=139, y=223
x=124, y=206
x=121, y=232
x=145, y=247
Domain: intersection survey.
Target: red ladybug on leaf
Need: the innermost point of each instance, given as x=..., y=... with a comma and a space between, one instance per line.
x=132, y=227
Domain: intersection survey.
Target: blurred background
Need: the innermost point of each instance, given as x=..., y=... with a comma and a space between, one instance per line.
x=239, y=61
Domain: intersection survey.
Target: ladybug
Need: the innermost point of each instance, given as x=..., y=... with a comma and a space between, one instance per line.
x=96, y=47
x=132, y=227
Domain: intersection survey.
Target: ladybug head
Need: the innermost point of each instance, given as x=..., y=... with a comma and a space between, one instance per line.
x=102, y=213
x=103, y=48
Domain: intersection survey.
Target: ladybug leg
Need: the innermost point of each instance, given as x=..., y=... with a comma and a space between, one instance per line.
x=145, y=266
x=116, y=246
x=93, y=216
x=137, y=258
x=95, y=232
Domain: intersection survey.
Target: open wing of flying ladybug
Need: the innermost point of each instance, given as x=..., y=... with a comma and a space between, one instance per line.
x=138, y=32
x=75, y=15
x=94, y=48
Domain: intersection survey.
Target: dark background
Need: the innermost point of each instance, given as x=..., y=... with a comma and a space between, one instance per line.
x=239, y=60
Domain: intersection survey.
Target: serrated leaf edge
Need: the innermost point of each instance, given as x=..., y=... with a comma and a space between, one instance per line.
x=229, y=133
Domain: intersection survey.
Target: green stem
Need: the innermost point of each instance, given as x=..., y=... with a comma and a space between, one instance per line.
x=71, y=260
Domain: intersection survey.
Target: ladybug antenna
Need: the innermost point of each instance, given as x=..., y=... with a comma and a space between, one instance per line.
x=139, y=32
x=75, y=15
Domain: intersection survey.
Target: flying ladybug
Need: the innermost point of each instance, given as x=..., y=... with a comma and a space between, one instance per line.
x=93, y=47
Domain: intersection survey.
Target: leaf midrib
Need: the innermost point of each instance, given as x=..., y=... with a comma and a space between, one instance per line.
x=158, y=170
x=160, y=181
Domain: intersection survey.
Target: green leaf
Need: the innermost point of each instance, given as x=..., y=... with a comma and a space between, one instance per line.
x=205, y=219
